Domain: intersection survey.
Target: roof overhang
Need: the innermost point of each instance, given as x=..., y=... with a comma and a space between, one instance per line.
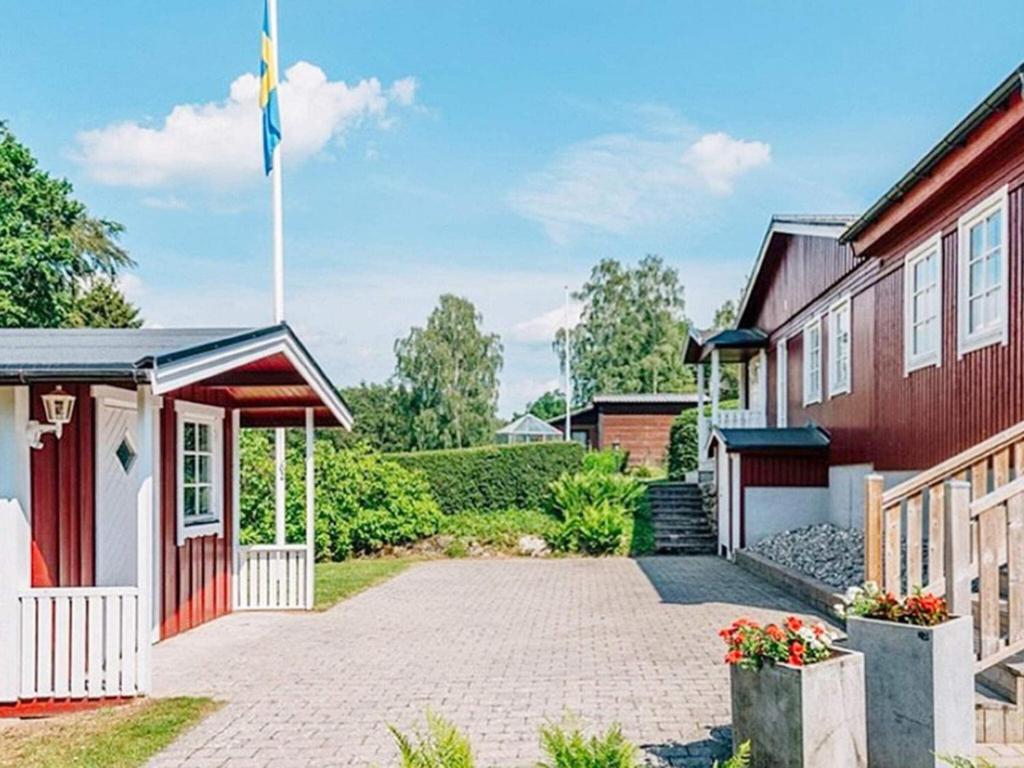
x=999, y=112
x=810, y=439
x=202, y=363
x=734, y=345
x=808, y=226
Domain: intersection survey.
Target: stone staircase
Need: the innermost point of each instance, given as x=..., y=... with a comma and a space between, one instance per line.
x=680, y=525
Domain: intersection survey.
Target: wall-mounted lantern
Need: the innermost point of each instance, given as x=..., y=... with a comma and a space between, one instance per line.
x=59, y=407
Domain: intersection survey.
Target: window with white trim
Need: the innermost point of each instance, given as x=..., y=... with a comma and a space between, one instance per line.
x=922, y=305
x=812, y=361
x=200, y=470
x=839, y=354
x=982, y=297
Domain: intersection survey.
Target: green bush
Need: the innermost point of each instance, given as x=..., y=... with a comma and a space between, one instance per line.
x=682, y=440
x=568, y=747
x=363, y=501
x=597, y=512
x=500, y=530
x=493, y=478
x=442, y=746
x=609, y=461
x=573, y=493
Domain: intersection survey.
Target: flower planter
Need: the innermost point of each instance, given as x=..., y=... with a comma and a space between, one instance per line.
x=920, y=690
x=802, y=717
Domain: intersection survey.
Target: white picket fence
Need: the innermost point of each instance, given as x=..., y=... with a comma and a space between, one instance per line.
x=79, y=642
x=272, y=577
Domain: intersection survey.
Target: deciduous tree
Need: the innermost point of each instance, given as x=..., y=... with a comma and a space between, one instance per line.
x=448, y=370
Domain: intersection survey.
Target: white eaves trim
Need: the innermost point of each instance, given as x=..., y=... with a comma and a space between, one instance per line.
x=195, y=368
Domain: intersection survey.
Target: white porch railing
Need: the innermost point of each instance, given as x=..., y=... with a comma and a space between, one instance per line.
x=273, y=577
x=79, y=642
x=741, y=419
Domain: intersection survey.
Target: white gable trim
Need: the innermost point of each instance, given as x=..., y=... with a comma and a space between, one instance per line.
x=194, y=369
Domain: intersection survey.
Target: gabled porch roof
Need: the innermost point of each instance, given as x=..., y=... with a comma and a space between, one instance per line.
x=267, y=373
x=810, y=438
x=735, y=345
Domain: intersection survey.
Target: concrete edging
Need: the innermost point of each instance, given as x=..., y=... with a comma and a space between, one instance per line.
x=816, y=593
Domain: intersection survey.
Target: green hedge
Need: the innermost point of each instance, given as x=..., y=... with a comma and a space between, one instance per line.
x=682, y=441
x=494, y=477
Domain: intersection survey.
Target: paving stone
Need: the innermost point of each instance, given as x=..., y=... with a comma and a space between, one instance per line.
x=498, y=646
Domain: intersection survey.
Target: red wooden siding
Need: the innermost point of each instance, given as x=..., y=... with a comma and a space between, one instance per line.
x=644, y=435
x=898, y=422
x=797, y=269
x=197, y=575
x=775, y=470
x=62, y=496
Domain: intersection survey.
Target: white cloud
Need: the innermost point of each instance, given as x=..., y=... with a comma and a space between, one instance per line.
x=220, y=141
x=543, y=327
x=720, y=159
x=617, y=182
x=165, y=203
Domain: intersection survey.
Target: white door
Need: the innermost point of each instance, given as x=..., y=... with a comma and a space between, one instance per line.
x=116, y=459
x=781, y=384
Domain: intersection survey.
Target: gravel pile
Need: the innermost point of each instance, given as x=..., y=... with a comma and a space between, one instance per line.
x=833, y=555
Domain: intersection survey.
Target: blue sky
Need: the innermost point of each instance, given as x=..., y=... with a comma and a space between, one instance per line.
x=494, y=150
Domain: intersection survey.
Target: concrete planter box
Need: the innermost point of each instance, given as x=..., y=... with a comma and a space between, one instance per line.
x=920, y=690
x=802, y=717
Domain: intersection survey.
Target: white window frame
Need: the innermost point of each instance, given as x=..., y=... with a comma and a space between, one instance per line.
x=213, y=417
x=782, y=383
x=911, y=361
x=842, y=305
x=809, y=398
x=998, y=333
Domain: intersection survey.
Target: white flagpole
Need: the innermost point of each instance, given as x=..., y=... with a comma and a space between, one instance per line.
x=280, y=534
x=568, y=371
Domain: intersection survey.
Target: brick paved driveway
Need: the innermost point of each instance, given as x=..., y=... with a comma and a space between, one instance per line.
x=498, y=646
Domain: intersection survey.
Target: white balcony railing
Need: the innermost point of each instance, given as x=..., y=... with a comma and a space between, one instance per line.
x=79, y=642
x=741, y=419
x=273, y=577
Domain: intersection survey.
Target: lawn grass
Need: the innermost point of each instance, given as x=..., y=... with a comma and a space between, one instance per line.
x=113, y=737
x=337, y=581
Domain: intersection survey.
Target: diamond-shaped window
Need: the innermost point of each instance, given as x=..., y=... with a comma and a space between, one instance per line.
x=125, y=454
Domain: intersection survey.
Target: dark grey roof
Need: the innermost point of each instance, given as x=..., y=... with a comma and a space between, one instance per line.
x=738, y=338
x=774, y=438
x=660, y=397
x=36, y=352
x=814, y=219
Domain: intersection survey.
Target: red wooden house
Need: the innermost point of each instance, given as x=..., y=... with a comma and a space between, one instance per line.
x=888, y=343
x=119, y=484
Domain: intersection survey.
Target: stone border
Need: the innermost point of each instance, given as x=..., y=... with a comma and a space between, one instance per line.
x=816, y=593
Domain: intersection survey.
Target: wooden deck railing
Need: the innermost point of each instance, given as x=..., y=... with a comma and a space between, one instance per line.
x=273, y=577
x=957, y=530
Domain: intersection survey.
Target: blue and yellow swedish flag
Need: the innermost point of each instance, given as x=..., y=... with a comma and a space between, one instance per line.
x=268, y=94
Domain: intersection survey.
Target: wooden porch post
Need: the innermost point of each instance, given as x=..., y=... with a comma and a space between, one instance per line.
x=873, y=486
x=958, y=547
x=147, y=505
x=715, y=385
x=762, y=384
x=702, y=422
x=280, y=456
x=310, y=512
x=15, y=532
x=236, y=503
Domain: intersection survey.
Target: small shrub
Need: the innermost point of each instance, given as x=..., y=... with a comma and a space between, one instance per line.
x=607, y=461
x=682, y=441
x=442, y=746
x=495, y=477
x=500, y=530
x=740, y=760
x=571, y=494
x=374, y=529
x=456, y=549
x=599, y=529
x=566, y=746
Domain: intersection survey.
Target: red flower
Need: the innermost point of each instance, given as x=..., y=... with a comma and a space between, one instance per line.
x=734, y=657
x=795, y=661
x=797, y=649
x=794, y=624
x=774, y=632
